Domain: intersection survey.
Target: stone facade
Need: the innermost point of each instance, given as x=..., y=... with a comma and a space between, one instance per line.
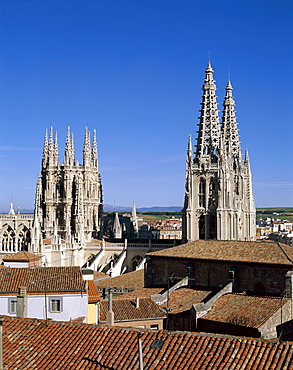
x=219, y=202
x=15, y=231
x=69, y=196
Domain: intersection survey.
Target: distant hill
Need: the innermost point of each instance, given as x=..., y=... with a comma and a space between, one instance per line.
x=110, y=208
x=15, y=210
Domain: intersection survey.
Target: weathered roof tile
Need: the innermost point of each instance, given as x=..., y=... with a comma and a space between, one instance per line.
x=237, y=251
x=40, y=279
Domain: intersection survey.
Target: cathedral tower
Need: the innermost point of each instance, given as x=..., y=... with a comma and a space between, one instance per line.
x=219, y=201
x=68, y=204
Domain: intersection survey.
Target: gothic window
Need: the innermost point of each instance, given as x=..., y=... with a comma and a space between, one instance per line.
x=212, y=194
x=136, y=262
x=236, y=182
x=201, y=227
x=213, y=227
x=202, y=193
x=8, y=240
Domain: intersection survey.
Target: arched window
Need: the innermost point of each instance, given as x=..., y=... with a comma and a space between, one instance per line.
x=202, y=193
x=213, y=227
x=212, y=194
x=8, y=239
x=201, y=227
x=23, y=238
x=136, y=260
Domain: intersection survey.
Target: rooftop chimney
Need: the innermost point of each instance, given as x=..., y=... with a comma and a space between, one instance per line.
x=21, y=303
x=110, y=313
x=289, y=284
x=137, y=302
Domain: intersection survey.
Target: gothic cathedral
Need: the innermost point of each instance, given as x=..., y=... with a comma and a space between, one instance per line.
x=68, y=202
x=219, y=202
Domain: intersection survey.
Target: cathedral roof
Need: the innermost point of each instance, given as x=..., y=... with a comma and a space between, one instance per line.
x=237, y=251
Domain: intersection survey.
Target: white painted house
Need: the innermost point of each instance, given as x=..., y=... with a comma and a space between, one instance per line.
x=57, y=293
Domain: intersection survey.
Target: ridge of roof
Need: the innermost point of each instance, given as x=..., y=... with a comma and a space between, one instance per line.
x=236, y=251
x=21, y=256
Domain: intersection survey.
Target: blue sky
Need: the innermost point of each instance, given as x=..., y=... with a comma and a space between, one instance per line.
x=133, y=70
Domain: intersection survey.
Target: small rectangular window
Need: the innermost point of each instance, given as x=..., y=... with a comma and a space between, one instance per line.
x=12, y=305
x=55, y=304
x=154, y=326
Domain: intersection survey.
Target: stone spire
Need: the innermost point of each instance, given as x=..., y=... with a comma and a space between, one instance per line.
x=209, y=127
x=95, y=151
x=218, y=200
x=249, y=180
x=56, y=151
x=69, y=150
x=51, y=148
x=45, y=150
x=189, y=156
x=230, y=134
x=134, y=218
x=86, y=149
x=117, y=229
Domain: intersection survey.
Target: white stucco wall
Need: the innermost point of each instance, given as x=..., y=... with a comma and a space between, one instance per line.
x=16, y=264
x=73, y=306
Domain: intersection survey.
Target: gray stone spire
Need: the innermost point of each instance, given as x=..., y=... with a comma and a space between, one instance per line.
x=218, y=192
x=86, y=149
x=117, y=229
x=95, y=150
x=51, y=149
x=56, y=150
x=45, y=150
x=229, y=126
x=134, y=218
x=209, y=126
x=69, y=149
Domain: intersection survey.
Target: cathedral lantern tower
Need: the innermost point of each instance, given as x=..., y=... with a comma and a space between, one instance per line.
x=219, y=201
x=69, y=196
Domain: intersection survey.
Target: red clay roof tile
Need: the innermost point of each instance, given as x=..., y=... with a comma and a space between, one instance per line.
x=35, y=345
x=125, y=309
x=255, y=252
x=40, y=279
x=244, y=310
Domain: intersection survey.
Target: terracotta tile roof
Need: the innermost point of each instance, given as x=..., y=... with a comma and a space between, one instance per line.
x=130, y=280
x=141, y=292
x=93, y=293
x=31, y=344
x=244, y=310
x=39, y=279
x=22, y=256
x=125, y=309
x=182, y=299
x=255, y=252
